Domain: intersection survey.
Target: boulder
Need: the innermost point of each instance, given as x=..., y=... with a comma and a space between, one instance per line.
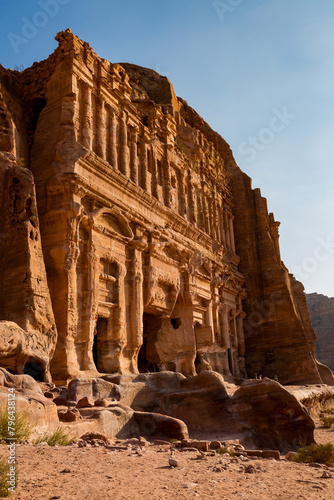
x=274, y=416
x=154, y=425
x=85, y=402
x=95, y=388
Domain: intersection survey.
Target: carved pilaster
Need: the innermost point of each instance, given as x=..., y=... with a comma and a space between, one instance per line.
x=144, y=161
x=86, y=116
x=227, y=230
x=182, y=194
x=100, y=131
x=134, y=155
x=154, y=174
x=225, y=329
x=167, y=185
x=124, y=150
x=231, y=232
x=113, y=141
x=191, y=200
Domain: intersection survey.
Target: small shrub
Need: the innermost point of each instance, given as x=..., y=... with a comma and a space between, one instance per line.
x=319, y=453
x=4, y=471
x=22, y=428
x=224, y=449
x=173, y=441
x=59, y=436
x=329, y=411
x=327, y=421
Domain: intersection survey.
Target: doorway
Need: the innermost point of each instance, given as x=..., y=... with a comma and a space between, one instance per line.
x=100, y=334
x=35, y=369
x=148, y=358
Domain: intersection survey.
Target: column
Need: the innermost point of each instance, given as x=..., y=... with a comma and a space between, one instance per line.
x=101, y=130
x=137, y=304
x=182, y=204
x=113, y=141
x=206, y=213
x=167, y=186
x=134, y=155
x=224, y=312
x=124, y=150
x=191, y=200
x=143, y=182
x=87, y=117
x=154, y=174
x=231, y=232
x=227, y=230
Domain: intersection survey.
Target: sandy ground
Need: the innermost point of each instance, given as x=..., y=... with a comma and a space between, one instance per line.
x=97, y=473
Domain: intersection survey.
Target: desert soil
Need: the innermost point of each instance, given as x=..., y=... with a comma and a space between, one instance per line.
x=97, y=473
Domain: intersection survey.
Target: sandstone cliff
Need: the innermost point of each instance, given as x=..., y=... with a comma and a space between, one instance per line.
x=159, y=255
x=321, y=309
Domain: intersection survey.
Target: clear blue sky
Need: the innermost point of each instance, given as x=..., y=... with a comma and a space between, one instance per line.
x=261, y=72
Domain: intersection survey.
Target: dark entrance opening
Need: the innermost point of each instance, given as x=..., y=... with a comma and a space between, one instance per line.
x=176, y=323
x=35, y=369
x=230, y=360
x=148, y=358
x=101, y=332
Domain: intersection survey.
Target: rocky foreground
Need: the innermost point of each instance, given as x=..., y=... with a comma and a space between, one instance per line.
x=123, y=469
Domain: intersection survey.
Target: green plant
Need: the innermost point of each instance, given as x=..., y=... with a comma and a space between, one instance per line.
x=330, y=411
x=173, y=441
x=20, y=162
x=20, y=430
x=327, y=421
x=59, y=436
x=319, y=453
x=224, y=449
x=4, y=471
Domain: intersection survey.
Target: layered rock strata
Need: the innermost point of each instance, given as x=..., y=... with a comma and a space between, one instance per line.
x=158, y=253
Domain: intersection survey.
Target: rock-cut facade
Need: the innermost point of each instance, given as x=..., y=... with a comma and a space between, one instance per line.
x=132, y=242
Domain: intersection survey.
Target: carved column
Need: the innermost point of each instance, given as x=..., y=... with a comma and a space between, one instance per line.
x=182, y=194
x=113, y=141
x=134, y=154
x=101, y=129
x=206, y=214
x=87, y=116
x=227, y=230
x=124, y=150
x=154, y=174
x=191, y=200
x=224, y=313
x=137, y=303
x=231, y=232
x=167, y=186
x=144, y=161
x=221, y=225
x=118, y=340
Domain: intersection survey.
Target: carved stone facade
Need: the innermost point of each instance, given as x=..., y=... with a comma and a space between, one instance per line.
x=136, y=209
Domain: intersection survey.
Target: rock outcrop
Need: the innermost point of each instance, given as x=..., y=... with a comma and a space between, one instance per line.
x=321, y=309
x=158, y=254
x=261, y=412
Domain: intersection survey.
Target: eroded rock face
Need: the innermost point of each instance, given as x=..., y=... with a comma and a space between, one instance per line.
x=261, y=411
x=159, y=255
x=28, y=335
x=321, y=309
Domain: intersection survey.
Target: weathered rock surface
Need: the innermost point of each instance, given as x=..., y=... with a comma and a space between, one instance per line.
x=40, y=411
x=24, y=293
x=261, y=411
x=321, y=309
